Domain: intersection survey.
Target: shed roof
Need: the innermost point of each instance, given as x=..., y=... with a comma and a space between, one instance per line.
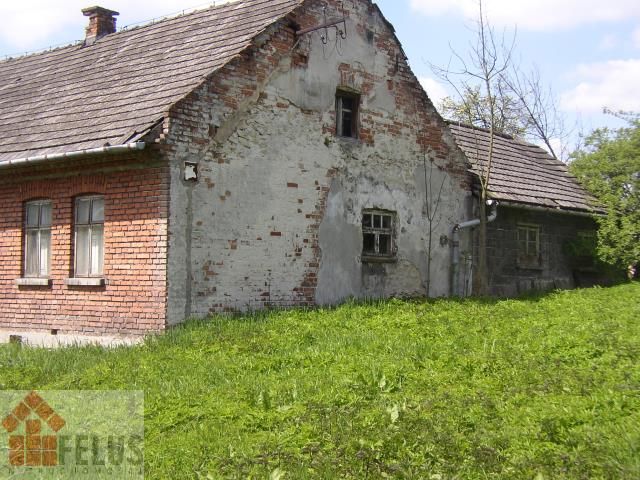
x=522, y=172
x=114, y=91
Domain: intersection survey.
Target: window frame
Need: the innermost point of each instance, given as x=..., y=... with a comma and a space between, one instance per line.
x=342, y=94
x=526, y=258
x=378, y=231
x=39, y=228
x=91, y=227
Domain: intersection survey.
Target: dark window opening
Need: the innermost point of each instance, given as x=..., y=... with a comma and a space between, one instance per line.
x=347, y=114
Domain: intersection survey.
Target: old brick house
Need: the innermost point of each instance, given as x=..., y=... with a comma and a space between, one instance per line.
x=235, y=157
x=263, y=152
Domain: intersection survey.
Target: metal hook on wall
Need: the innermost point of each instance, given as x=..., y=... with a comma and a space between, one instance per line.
x=325, y=36
x=342, y=32
x=339, y=25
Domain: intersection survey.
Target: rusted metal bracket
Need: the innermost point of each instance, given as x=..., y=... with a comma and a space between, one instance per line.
x=339, y=25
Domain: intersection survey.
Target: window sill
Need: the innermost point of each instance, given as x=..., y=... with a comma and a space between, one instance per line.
x=374, y=259
x=34, y=282
x=85, y=282
x=525, y=266
x=352, y=140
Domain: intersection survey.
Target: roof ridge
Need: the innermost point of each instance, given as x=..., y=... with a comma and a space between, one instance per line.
x=481, y=129
x=183, y=14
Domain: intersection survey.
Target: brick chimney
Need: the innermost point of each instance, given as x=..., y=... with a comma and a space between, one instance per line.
x=101, y=22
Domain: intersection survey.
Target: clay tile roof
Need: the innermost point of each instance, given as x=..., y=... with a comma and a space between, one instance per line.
x=114, y=91
x=522, y=172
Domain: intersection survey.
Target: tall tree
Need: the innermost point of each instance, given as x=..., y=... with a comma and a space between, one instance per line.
x=609, y=167
x=538, y=108
x=524, y=107
x=480, y=75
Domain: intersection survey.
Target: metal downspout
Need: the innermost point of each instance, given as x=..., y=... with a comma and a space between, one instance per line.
x=455, y=258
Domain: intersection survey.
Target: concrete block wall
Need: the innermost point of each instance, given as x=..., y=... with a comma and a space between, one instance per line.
x=135, y=248
x=507, y=278
x=275, y=215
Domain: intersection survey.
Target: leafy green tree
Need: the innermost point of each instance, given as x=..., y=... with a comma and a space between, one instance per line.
x=608, y=166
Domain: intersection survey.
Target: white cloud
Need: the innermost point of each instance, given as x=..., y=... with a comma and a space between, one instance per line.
x=612, y=84
x=536, y=14
x=435, y=90
x=635, y=36
x=32, y=24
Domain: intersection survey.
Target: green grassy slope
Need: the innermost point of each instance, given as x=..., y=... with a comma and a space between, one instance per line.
x=541, y=388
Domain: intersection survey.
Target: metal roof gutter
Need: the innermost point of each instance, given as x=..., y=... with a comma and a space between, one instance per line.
x=136, y=146
x=534, y=208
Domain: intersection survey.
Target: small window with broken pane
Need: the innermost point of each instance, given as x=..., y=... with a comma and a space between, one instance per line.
x=378, y=234
x=347, y=105
x=37, y=239
x=89, y=236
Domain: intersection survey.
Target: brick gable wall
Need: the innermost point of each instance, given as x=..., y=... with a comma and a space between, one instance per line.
x=274, y=219
x=135, y=245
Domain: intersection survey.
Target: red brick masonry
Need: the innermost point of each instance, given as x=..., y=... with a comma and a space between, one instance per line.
x=135, y=252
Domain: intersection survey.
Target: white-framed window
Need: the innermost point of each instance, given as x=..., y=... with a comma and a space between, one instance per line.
x=347, y=107
x=378, y=235
x=37, y=238
x=89, y=236
x=528, y=244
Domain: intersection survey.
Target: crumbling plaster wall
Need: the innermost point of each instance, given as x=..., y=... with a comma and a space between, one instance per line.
x=275, y=215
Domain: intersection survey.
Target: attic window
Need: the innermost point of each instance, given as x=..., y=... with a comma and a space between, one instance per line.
x=347, y=107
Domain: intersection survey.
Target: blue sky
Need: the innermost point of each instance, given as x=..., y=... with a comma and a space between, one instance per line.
x=587, y=50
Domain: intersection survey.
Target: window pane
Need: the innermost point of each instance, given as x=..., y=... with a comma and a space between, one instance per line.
x=384, y=244
x=366, y=220
x=82, y=251
x=377, y=221
x=82, y=210
x=45, y=242
x=33, y=214
x=347, y=123
x=97, y=213
x=369, y=243
x=338, y=116
x=386, y=221
x=45, y=214
x=96, y=250
x=31, y=254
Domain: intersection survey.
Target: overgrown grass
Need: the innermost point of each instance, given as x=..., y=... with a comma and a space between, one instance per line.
x=536, y=388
